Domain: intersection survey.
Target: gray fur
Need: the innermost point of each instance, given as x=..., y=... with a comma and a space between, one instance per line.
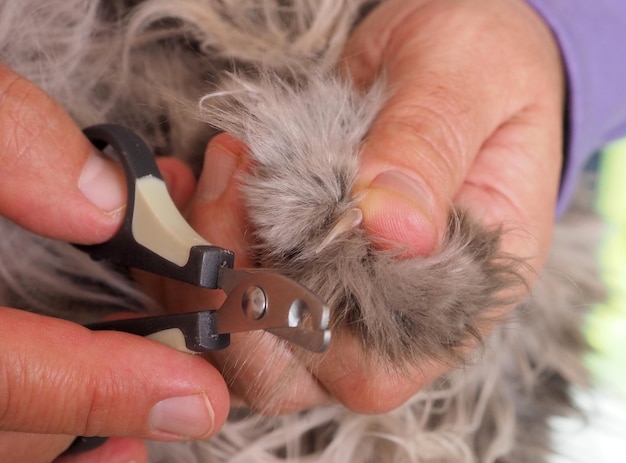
x=264, y=69
x=305, y=161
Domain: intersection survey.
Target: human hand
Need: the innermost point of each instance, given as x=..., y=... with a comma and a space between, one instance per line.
x=58, y=379
x=474, y=120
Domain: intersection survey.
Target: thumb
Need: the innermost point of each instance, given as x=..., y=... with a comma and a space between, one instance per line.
x=53, y=180
x=69, y=380
x=448, y=96
x=18, y=447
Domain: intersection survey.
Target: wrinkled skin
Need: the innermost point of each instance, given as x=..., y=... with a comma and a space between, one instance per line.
x=474, y=119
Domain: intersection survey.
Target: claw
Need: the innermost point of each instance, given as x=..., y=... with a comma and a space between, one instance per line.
x=348, y=221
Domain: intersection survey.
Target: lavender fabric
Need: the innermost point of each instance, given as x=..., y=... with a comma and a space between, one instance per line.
x=592, y=37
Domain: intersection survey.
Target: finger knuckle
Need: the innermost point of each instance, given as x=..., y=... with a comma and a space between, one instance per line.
x=433, y=138
x=24, y=117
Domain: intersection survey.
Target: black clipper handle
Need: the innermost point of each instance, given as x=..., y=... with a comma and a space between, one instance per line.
x=190, y=332
x=128, y=247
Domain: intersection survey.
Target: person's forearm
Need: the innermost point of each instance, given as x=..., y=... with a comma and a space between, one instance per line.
x=592, y=37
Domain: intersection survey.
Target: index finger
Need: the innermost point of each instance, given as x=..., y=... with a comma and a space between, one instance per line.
x=53, y=180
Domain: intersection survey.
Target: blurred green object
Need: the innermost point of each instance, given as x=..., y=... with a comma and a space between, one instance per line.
x=606, y=327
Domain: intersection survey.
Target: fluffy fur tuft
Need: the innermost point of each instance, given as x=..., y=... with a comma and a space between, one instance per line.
x=177, y=71
x=305, y=158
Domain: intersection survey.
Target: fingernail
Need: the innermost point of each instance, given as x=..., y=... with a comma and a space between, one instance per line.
x=400, y=212
x=189, y=417
x=102, y=183
x=403, y=185
x=220, y=165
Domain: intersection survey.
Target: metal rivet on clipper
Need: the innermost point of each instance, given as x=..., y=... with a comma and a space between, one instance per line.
x=254, y=302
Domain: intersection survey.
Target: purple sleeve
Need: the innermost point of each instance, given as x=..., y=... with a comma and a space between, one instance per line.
x=592, y=37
